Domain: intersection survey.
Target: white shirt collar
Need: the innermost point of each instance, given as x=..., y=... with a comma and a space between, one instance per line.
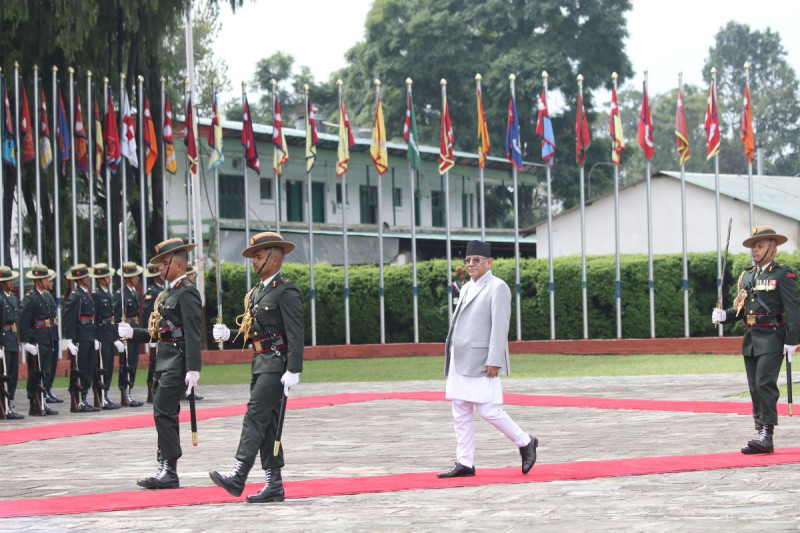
x=171, y=284
x=267, y=281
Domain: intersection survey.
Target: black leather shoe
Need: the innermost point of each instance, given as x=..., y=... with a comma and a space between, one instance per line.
x=528, y=454
x=13, y=415
x=272, y=491
x=84, y=407
x=234, y=480
x=459, y=470
x=165, y=478
x=49, y=411
x=51, y=398
x=108, y=405
x=763, y=444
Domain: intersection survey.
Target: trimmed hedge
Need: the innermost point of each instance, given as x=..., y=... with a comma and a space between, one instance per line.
x=535, y=303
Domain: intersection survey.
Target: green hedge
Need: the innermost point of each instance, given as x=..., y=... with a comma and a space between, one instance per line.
x=535, y=303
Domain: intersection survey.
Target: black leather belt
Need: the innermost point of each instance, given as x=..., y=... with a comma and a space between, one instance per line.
x=167, y=334
x=265, y=344
x=41, y=324
x=9, y=328
x=86, y=319
x=108, y=321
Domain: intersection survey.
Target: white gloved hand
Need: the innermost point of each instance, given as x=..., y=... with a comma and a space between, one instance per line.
x=72, y=347
x=718, y=315
x=192, y=377
x=96, y=344
x=153, y=344
x=221, y=332
x=30, y=348
x=124, y=330
x=289, y=380
x=119, y=346
x=789, y=351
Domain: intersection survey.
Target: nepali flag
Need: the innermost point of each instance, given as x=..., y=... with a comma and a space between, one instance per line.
x=582, y=138
x=312, y=137
x=26, y=133
x=248, y=139
x=682, y=130
x=190, y=139
x=711, y=123
x=113, y=152
x=646, y=126
x=446, y=141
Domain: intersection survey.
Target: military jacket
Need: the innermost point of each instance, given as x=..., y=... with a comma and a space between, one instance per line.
x=277, y=309
x=106, y=329
x=180, y=310
x=131, y=307
x=150, y=297
x=79, y=316
x=770, y=309
x=38, y=319
x=9, y=320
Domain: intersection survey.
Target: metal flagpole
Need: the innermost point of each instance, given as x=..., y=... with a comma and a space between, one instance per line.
x=617, y=281
x=478, y=79
x=109, y=218
x=749, y=163
x=75, y=260
x=20, y=201
x=684, y=233
x=584, y=297
x=551, y=285
x=3, y=202
x=310, y=211
x=36, y=126
x=276, y=189
x=163, y=167
x=247, y=217
x=90, y=152
x=188, y=173
x=142, y=178
x=650, y=281
x=414, y=289
x=344, y=241
x=443, y=83
x=717, y=206
x=56, y=202
x=381, y=296
x=123, y=95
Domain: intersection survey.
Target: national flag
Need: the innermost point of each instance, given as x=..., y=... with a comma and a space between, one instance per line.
x=346, y=141
x=312, y=138
x=113, y=152
x=617, y=138
x=582, y=138
x=682, y=131
x=217, y=157
x=26, y=133
x=446, y=141
x=149, y=139
x=544, y=129
x=249, y=140
x=128, y=136
x=483, y=131
x=81, y=146
x=410, y=135
x=377, y=151
x=711, y=123
x=748, y=137
x=9, y=146
x=513, y=145
x=98, y=139
x=190, y=140
x=170, y=162
x=280, y=152
x=646, y=126
x=45, y=148
x=62, y=136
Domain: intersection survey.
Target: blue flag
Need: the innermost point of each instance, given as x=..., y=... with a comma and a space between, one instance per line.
x=544, y=129
x=9, y=147
x=513, y=146
x=62, y=135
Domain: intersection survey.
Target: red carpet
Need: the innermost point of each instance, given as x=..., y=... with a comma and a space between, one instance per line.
x=101, y=425
x=326, y=487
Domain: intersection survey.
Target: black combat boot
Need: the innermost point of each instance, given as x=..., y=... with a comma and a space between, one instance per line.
x=132, y=402
x=234, y=480
x=763, y=444
x=165, y=478
x=86, y=407
x=12, y=413
x=107, y=403
x=272, y=490
x=48, y=410
x=51, y=398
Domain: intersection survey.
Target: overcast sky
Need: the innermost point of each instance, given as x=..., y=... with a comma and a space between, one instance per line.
x=666, y=36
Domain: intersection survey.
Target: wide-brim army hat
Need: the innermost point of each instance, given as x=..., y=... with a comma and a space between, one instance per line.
x=38, y=272
x=6, y=274
x=267, y=239
x=761, y=233
x=52, y=274
x=190, y=269
x=152, y=270
x=130, y=269
x=101, y=270
x=170, y=246
x=78, y=271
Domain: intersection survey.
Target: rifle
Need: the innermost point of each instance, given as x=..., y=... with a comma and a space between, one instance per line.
x=279, y=432
x=789, y=381
x=124, y=376
x=193, y=413
x=75, y=387
x=219, y=285
x=724, y=265
x=35, y=374
x=151, y=368
x=4, y=408
x=100, y=373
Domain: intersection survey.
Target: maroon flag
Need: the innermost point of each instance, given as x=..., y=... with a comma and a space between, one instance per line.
x=81, y=146
x=28, y=151
x=646, y=126
x=248, y=139
x=582, y=138
x=190, y=141
x=711, y=123
x=113, y=152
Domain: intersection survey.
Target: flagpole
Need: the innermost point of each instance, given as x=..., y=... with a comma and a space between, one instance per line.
x=189, y=217
x=381, y=296
x=749, y=163
x=310, y=204
x=90, y=150
x=717, y=206
x=217, y=232
x=551, y=286
x=247, y=218
x=684, y=233
x=142, y=178
x=3, y=197
x=276, y=189
x=109, y=218
x=478, y=79
x=56, y=202
x=123, y=95
x=19, y=157
x=36, y=120
x=344, y=239
x=163, y=168
x=584, y=296
x=443, y=83
x=512, y=79
x=617, y=281
x=414, y=289
x=650, y=280
x=75, y=260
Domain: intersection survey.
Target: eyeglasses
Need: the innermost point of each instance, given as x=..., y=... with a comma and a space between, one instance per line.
x=473, y=260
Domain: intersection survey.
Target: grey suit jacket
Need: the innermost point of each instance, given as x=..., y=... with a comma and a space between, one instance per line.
x=479, y=332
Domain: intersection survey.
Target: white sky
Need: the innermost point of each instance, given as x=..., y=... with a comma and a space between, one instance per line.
x=666, y=36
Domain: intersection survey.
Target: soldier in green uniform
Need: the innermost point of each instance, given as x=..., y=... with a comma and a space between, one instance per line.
x=767, y=302
x=131, y=272
x=79, y=327
x=9, y=340
x=154, y=288
x=175, y=322
x=52, y=307
x=273, y=318
x=105, y=333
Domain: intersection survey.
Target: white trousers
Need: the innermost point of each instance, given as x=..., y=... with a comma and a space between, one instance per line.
x=465, y=428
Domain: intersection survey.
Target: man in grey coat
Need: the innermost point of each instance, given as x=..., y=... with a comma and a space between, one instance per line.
x=476, y=354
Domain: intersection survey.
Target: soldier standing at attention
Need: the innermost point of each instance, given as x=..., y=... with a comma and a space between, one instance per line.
x=767, y=301
x=131, y=272
x=273, y=318
x=105, y=330
x=9, y=340
x=154, y=288
x=175, y=322
x=79, y=327
x=50, y=375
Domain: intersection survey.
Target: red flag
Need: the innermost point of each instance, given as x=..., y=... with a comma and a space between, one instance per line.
x=170, y=163
x=711, y=123
x=81, y=147
x=280, y=150
x=45, y=147
x=248, y=139
x=28, y=151
x=682, y=130
x=646, y=126
x=582, y=138
x=748, y=138
x=446, y=140
x=98, y=139
x=149, y=139
x=113, y=153
x=189, y=140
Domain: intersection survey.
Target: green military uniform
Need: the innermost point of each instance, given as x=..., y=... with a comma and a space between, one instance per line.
x=132, y=317
x=79, y=327
x=38, y=324
x=9, y=342
x=150, y=296
x=106, y=334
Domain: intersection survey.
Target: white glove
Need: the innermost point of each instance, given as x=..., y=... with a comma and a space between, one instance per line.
x=192, y=377
x=125, y=330
x=221, y=332
x=289, y=380
x=30, y=348
x=718, y=315
x=73, y=349
x=96, y=344
x=153, y=344
x=119, y=346
x=789, y=351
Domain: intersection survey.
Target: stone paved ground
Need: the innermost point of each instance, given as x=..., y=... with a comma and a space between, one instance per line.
x=392, y=437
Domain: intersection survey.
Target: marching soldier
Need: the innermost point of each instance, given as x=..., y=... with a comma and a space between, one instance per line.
x=154, y=288
x=79, y=327
x=36, y=331
x=105, y=332
x=9, y=340
x=767, y=301
x=273, y=318
x=50, y=375
x=175, y=322
x=131, y=272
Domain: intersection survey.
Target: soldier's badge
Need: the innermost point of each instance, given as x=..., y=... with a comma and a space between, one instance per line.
x=286, y=280
x=790, y=275
x=148, y=296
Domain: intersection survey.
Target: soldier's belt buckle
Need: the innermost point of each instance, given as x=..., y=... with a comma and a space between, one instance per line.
x=750, y=320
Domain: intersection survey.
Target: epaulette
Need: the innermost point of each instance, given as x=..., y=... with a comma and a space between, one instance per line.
x=750, y=269
x=286, y=280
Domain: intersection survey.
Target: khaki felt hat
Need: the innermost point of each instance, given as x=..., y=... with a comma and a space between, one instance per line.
x=38, y=272
x=170, y=246
x=130, y=269
x=78, y=271
x=761, y=233
x=267, y=239
x=6, y=274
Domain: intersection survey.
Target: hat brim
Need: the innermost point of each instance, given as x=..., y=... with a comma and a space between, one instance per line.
x=158, y=258
x=14, y=275
x=73, y=278
x=779, y=239
x=133, y=274
x=285, y=245
x=149, y=274
x=108, y=274
x=30, y=275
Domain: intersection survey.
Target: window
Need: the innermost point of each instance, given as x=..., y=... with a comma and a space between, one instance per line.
x=266, y=186
x=368, y=197
x=437, y=208
x=397, y=197
x=231, y=196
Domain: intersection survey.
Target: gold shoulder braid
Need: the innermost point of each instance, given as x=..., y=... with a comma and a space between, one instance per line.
x=245, y=320
x=741, y=296
x=155, y=317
